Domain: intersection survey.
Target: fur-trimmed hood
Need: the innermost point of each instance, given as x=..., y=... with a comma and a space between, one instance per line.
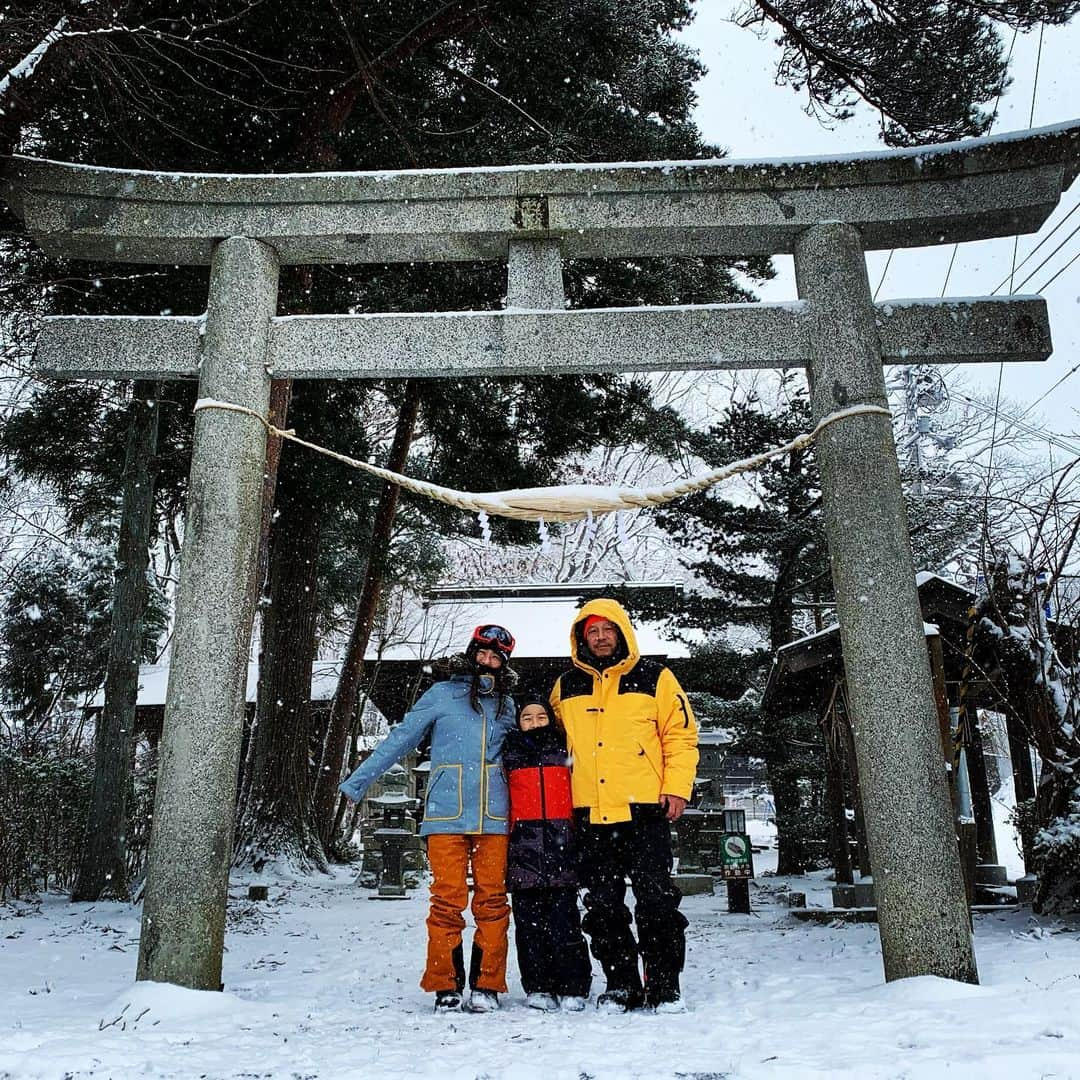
x=458, y=664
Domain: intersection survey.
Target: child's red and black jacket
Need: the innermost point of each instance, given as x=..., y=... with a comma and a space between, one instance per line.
x=542, y=854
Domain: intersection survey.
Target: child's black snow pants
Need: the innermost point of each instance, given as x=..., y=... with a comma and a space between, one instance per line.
x=552, y=955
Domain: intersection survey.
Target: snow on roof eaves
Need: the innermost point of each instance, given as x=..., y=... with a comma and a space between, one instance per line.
x=154, y=684
x=929, y=629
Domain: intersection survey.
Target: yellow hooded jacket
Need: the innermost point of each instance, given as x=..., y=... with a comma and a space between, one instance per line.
x=629, y=728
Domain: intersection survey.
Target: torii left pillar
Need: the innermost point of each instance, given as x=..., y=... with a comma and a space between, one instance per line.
x=183, y=926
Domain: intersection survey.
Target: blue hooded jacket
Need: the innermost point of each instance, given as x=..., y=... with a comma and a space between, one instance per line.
x=466, y=790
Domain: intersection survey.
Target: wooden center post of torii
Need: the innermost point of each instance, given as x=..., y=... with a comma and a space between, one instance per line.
x=824, y=212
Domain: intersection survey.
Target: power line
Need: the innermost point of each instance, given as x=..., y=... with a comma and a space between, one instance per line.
x=1035, y=84
x=1045, y=261
x=1001, y=364
x=1072, y=371
x=881, y=280
x=1045, y=239
x=1014, y=422
x=989, y=128
x=1047, y=284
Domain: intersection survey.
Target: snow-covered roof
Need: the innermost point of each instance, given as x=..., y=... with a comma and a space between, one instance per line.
x=154, y=683
x=539, y=621
x=715, y=737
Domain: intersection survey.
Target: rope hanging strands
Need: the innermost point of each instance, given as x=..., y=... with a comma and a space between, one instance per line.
x=566, y=502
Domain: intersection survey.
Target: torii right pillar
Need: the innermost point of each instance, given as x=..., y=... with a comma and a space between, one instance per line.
x=923, y=916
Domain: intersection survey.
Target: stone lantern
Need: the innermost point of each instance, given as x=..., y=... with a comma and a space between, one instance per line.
x=393, y=835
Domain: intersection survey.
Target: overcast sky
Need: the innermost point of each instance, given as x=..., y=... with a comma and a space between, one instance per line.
x=742, y=110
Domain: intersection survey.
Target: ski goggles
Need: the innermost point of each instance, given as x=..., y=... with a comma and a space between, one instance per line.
x=494, y=637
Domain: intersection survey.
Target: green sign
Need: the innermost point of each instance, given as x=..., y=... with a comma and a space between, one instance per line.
x=736, y=856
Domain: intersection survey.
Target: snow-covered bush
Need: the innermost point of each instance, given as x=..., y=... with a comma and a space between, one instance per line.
x=1058, y=850
x=43, y=803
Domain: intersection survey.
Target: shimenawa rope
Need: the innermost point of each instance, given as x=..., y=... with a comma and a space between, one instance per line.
x=565, y=502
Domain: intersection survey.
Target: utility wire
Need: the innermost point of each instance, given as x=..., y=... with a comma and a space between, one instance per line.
x=1047, y=284
x=989, y=128
x=881, y=280
x=1044, y=262
x=1072, y=371
x=1001, y=364
x=1044, y=240
x=1042, y=436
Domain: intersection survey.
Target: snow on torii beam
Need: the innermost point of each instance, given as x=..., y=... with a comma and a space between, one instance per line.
x=930, y=195
x=518, y=342
x=825, y=212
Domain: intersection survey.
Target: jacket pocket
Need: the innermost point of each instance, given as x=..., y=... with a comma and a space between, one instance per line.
x=443, y=802
x=643, y=753
x=498, y=801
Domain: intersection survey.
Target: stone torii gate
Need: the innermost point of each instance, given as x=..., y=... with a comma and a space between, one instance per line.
x=825, y=212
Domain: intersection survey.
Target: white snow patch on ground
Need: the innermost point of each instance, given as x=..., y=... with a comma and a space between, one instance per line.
x=322, y=982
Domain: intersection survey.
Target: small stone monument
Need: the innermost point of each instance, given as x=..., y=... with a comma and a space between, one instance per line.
x=691, y=877
x=393, y=835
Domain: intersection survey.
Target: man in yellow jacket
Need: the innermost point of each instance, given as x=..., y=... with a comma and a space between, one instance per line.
x=633, y=744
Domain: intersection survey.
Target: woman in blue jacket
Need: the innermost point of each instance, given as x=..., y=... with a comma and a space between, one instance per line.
x=465, y=814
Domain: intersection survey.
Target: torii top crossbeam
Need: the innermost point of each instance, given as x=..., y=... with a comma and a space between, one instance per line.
x=951, y=192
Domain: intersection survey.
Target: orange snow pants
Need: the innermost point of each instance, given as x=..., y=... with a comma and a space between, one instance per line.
x=450, y=856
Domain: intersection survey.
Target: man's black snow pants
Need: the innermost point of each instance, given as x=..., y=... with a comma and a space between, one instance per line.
x=639, y=849
x=552, y=955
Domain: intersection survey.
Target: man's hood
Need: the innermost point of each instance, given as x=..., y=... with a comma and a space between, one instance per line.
x=606, y=609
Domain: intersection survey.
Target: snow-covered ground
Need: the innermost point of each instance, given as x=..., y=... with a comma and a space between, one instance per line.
x=322, y=982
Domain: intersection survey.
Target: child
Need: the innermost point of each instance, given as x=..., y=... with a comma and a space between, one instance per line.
x=465, y=814
x=552, y=955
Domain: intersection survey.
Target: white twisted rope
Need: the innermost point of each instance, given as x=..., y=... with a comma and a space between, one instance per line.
x=565, y=502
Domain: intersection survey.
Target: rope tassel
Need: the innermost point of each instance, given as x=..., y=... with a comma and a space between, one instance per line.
x=565, y=502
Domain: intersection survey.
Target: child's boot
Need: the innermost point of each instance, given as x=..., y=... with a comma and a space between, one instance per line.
x=543, y=1002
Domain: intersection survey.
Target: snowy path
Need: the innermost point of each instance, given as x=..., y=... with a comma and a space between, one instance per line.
x=321, y=982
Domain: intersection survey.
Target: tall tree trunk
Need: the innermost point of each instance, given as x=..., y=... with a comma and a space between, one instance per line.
x=343, y=706
x=280, y=399
x=839, y=848
x=1023, y=776
x=103, y=870
x=274, y=820
x=791, y=854
x=982, y=803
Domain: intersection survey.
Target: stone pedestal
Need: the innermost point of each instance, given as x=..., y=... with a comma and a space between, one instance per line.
x=688, y=835
x=864, y=893
x=693, y=884
x=991, y=874
x=395, y=833
x=843, y=896
x=391, y=878
x=1026, y=888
